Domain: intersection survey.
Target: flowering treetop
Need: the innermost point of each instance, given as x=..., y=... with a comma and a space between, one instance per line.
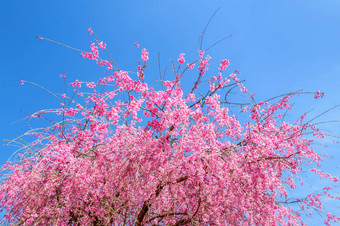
x=125, y=152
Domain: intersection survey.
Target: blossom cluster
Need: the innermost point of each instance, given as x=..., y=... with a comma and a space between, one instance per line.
x=137, y=155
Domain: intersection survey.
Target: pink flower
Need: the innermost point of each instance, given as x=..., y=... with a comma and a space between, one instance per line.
x=201, y=53
x=21, y=82
x=224, y=64
x=94, y=49
x=319, y=94
x=76, y=84
x=91, y=85
x=167, y=84
x=145, y=55
x=136, y=44
x=37, y=36
x=102, y=45
x=91, y=31
x=181, y=59
x=190, y=66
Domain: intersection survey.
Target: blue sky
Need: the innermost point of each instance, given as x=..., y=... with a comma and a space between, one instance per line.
x=278, y=46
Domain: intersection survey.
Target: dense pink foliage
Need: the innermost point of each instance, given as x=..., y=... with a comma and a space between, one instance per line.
x=164, y=156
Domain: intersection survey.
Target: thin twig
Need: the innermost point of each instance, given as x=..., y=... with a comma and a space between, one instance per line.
x=206, y=26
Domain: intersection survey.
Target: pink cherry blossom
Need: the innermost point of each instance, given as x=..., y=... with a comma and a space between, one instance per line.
x=102, y=45
x=135, y=153
x=190, y=66
x=319, y=94
x=76, y=84
x=91, y=31
x=145, y=55
x=91, y=85
x=181, y=59
x=136, y=44
x=224, y=64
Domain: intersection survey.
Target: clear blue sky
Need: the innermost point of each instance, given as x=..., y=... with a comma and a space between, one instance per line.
x=278, y=46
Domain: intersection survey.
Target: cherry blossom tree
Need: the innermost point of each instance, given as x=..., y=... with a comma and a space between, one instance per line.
x=124, y=152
